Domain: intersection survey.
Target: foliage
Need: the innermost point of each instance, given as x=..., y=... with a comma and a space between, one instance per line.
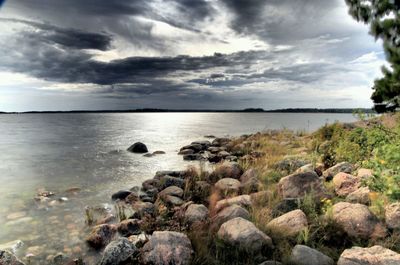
x=384, y=19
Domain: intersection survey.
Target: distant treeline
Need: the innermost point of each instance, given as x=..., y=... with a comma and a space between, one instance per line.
x=289, y=110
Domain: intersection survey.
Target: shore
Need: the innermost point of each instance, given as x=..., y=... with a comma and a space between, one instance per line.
x=277, y=197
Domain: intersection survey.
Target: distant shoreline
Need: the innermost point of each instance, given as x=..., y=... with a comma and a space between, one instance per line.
x=250, y=110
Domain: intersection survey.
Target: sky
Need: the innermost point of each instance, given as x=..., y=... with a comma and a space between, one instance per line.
x=184, y=54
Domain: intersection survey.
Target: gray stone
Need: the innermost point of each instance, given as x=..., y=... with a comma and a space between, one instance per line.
x=166, y=248
x=375, y=255
x=298, y=185
x=196, y=213
x=345, y=167
x=228, y=186
x=117, y=252
x=229, y=213
x=173, y=191
x=392, y=215
x=303, y=255
x=289, y=224
x=138, y=147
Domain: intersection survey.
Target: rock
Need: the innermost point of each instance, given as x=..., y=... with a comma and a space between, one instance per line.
x=148, y=155
x=227, y=214
x=12, y=246
x=150, y=184
x=171, y=173
x=142, y=209
x=158, y=152
x=290, y=224
x=248, y=174
x=223, y=154
x=228, y=186
x=392, y=215
x=172, y=201
x=220, y=141
x=214, y=149
x=101, y=235
x=171, y=190
x=285, y=206
x=195, y=147
x=226, y=170
x=242, y=200
x=139, y=240
x=138, y=147
x=120, y=195
x=129, y=227
x=118, y=252
x=192, y=157
x=186, y=152
x=356, y=220
x=345, y=183
x=364, y=173
x=166, y=248
x=250, y=186
x=303, y=255
x=375, y=255
x=341, y=167
x=298, y=185
x=196, y=213
x=361, y=195
x=201, y=191
x=290, y=163
x=244, y=235
x=167, y=181
x=271, y=262
x=6, y=258
x=61, y=259
x=209, y=136
x=317, y=168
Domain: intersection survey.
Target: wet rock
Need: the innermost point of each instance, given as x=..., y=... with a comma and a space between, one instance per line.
x=118, y=252
x=158, y=152
x=345, y=183
x=289, y=224
x=165, y=248
x=356, y=220
x=228, y=186
x=172, y=173
x=297, y=185
x=392, y=215
x=195, y=147
x=344, y=167
x=226, y=170
x=120, y=195
x=101, y=235
x=227, y=214
x=186, y=152
x=150, y=184
x=173, y=191
x=220, y=141
x=196, y=213
x=242, y=200
x=167, y=181
x=360, y=195
x=138, y=147
x=214, y=149
x=303, y=255
x=375, y=255
x=193, y=157
x=172, y=201
x=129, y=227
x=244, y=235
x=142, y=209
x=6, y=258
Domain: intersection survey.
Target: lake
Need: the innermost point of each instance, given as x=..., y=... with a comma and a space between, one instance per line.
x=88, y=151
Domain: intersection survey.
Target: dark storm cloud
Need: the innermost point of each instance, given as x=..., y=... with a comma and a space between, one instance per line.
x=72, y=38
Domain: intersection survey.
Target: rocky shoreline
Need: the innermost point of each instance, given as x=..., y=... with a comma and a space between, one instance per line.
x=196, y=216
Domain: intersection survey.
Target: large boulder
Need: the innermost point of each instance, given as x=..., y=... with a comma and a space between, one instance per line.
x=229, y=213
x=375, y=255
x=298, y=185
x=118, y=252
x=303, y=255
x=356, y=220
x=196, y=213
x=6, y=258
x=345, y=167
x=165, y=248
x=226, y=170
x=392, y=215
x=345, y=183
x=244, y=235
x=138, y=147
x=289, y=224
x=101, y=235
x=228, y=186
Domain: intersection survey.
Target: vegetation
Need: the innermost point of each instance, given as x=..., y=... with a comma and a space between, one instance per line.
x=384, y=19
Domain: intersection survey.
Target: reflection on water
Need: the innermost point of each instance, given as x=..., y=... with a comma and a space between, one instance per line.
x=87, y=151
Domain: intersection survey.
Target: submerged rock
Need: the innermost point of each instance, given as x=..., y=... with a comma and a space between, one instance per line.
x=138, y=147
x=166, y=248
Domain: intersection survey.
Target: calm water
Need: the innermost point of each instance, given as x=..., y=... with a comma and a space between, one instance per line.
x=60, y=151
